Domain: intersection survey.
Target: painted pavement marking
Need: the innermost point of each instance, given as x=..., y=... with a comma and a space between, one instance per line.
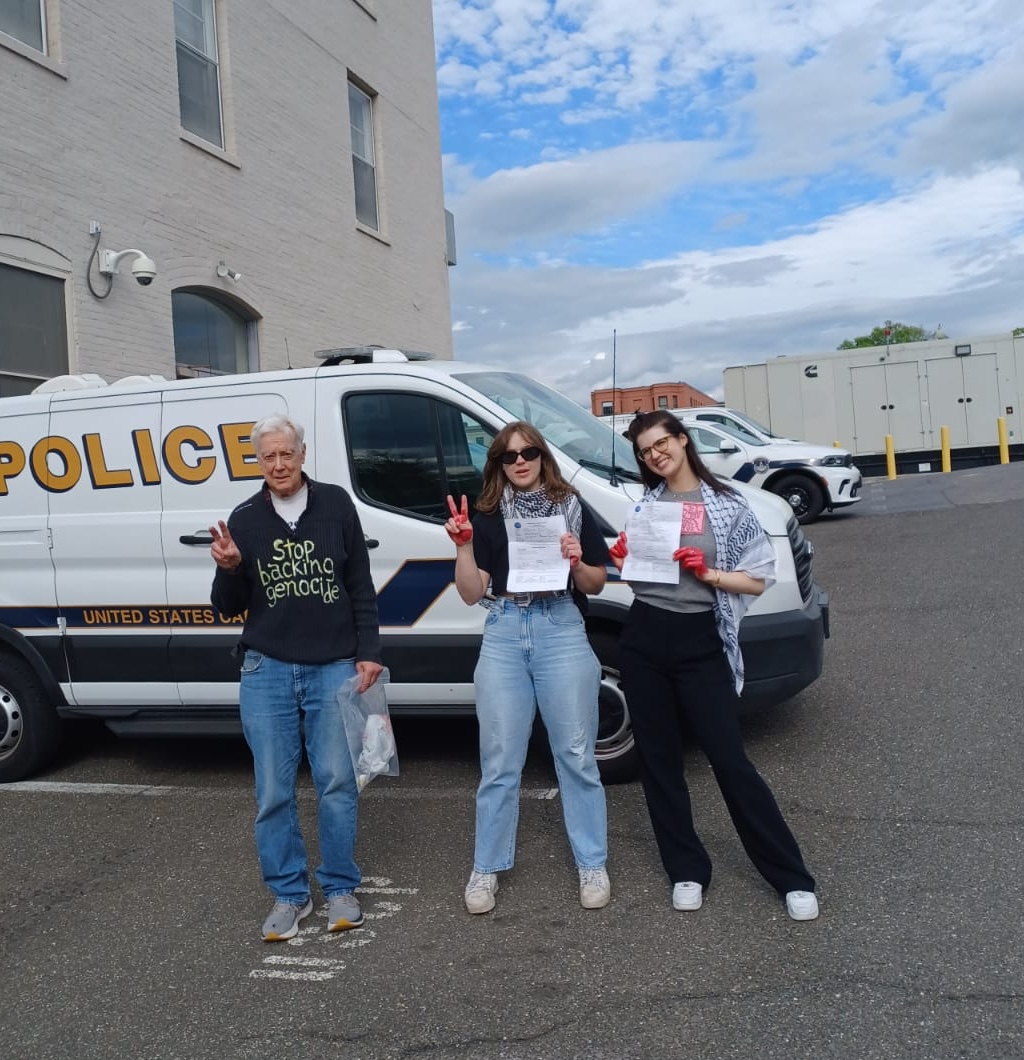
x=300, y=967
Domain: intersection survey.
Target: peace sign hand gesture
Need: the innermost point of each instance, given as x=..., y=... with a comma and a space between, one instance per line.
x=458, y=527
x=224, y=550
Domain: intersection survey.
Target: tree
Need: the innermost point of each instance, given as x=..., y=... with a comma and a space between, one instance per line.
x=885, y=335
x=1017, y=332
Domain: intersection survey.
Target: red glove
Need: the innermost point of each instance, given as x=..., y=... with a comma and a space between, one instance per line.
x=618, y=551
x=458, y=526
x=692, y=560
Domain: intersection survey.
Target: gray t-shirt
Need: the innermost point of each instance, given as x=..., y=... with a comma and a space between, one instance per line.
x=689, y=594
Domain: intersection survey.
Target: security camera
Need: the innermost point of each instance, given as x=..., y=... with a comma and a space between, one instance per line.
x=143, y=266
x=144, y=270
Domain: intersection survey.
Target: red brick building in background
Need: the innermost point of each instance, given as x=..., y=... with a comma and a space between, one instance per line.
x=647, y=398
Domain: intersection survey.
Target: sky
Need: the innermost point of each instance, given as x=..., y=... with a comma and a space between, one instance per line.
x=720, y=182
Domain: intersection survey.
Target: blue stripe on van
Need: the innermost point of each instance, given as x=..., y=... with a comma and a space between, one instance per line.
x=413, y=588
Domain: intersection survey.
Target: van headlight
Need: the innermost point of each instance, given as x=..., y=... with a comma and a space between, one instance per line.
x=829, y=461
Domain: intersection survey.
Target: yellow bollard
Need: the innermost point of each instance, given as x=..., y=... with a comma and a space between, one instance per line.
x=890, y=457
x=837, y=445
x=947, y=464
x=1004, y=441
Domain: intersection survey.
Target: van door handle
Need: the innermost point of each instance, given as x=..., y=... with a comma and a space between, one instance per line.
x=371, y=542
x=199, y=538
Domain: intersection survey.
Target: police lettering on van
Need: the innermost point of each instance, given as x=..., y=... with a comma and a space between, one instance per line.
x=74, y=459
x=107, y=494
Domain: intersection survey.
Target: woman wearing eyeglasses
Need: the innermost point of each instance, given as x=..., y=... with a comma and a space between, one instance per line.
x=681, y=665
x=534, y=654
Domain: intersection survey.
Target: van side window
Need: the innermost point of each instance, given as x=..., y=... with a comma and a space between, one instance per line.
x=409, y=451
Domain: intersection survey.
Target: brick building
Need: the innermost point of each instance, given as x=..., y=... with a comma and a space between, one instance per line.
x=629, y=399
x=280, y=165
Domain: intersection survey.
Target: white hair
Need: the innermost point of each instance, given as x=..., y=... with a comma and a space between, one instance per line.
x=276, y=423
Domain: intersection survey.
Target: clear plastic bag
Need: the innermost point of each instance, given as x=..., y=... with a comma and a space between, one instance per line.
x=371, y=740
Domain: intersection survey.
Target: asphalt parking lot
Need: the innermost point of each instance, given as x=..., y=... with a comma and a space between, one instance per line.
x=130, y=899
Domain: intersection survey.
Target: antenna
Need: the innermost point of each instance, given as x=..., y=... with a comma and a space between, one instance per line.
x=615, y=404
x=614, y=480
x=288, y=353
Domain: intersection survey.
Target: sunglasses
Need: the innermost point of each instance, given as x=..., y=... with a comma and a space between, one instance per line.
x=660, y=446
x=510, y=456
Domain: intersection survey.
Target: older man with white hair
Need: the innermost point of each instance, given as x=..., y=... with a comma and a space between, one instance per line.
x=293, y=559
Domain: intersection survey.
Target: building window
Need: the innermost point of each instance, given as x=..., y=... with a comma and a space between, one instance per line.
x=195, y=28
x=25, y=20
x=607, y=408
x=364, y=170
x=33, y=330
x=211, y=337
x=675, y=401
x=663, y=403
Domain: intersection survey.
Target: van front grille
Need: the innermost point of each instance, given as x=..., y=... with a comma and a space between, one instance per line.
x=803, y=552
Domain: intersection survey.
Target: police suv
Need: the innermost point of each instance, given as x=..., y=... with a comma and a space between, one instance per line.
x=107, y=493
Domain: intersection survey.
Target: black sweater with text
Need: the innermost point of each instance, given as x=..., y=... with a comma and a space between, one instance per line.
x=307, y=593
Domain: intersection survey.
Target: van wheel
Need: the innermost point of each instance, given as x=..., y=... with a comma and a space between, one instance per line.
x=802, y=494
x=615, y=751
x=29, y=726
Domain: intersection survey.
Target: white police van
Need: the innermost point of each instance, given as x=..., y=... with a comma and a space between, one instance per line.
x=107, y=493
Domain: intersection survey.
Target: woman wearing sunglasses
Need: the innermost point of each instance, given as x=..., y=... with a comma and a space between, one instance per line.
x=681, y=665
x=534, y=654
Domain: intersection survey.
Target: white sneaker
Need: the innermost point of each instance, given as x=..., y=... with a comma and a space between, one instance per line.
x=802, y=905
x=687, y=896
x=480, y=891
x=595, y=888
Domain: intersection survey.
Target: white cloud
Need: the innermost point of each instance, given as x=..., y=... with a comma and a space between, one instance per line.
x=582, y=194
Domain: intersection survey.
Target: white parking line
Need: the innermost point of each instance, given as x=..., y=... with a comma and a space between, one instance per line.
x=62, y=787
x=58, y=787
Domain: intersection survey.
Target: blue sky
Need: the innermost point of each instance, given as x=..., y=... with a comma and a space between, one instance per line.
x=724, y=181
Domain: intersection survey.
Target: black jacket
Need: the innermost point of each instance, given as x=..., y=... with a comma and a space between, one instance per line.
x=307, y=592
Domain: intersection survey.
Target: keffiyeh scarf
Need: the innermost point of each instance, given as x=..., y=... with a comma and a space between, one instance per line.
x=741, y=544
x=536, y=505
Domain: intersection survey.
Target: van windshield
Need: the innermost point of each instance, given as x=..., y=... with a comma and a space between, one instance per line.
x=585, y=438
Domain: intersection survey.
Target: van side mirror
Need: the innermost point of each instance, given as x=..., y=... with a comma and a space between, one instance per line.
x=727, y=446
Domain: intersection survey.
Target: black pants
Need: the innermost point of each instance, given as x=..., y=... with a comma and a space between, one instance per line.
x=674, y=671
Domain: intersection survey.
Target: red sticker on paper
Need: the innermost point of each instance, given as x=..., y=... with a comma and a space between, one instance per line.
x=693, y=518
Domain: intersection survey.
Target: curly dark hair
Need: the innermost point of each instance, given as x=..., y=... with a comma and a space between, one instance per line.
x=644, y=421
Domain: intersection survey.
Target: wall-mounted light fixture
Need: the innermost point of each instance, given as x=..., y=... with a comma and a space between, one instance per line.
x=962, y=351
x=228, y=274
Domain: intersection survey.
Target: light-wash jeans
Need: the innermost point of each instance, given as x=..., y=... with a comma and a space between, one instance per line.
x=278, y=701
x=537, y=656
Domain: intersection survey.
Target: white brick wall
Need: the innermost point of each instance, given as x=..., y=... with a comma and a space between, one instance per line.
x=96, y=135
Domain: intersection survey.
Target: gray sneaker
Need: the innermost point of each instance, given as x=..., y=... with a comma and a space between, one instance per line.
x=595, y=888
x=283, y=921
x=480, y=891
x=343, y=913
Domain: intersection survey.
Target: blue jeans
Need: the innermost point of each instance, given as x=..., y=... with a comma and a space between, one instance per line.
x=537, y=656
x=279, y=701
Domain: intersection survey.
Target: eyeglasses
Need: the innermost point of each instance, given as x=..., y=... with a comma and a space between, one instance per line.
x=660, y=446
x=510, y=456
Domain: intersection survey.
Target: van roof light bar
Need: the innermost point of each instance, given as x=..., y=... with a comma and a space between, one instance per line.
x=370, y=355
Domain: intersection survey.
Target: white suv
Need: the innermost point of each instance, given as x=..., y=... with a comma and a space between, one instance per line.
x=810, y=478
